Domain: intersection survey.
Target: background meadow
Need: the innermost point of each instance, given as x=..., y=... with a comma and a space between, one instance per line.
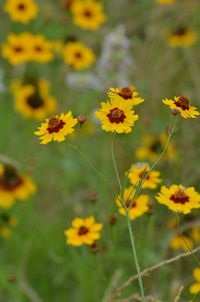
x=132, y=47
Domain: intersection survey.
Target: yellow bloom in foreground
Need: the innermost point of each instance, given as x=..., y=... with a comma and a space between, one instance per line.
x=179, y=199
x=21, y=10
x=83, y=231
x=182, y=37
x=195, y=288
x=33, y=100
x=14, y=186
x=88, y=14
x=137, y=173
x=165, y=1
x=182, y=105
x=78, y=55
x=116, y=116
x=182, y=242
x=128, y=94
x=56, y=128
x=139, y=205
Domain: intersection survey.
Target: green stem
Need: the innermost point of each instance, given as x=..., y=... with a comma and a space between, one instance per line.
x=114, y=163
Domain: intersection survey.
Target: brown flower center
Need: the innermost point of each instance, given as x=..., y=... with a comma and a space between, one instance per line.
x=21, y=6
x=116, y=116
x=143, y=175
x=18, y=49
x=183, y=103
x=10, y=179
x=54, y=125
x=156, y=146
x=130, y=202
x=83, y=230
x=35, y=101
x=87, y=13
x=78, y=55
x=126, y=93
x=179, y=197
x=181, y=31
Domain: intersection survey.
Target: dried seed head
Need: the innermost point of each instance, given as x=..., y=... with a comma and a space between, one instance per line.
x=112, y=219
x=94, y=248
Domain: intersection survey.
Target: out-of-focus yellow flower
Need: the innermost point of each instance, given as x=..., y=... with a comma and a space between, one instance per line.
x=195, y=233
x=139, y=204
x=87, y=14
x=78, y=55
x=195, y=288
x=179, y=199
x=5, y=231
x=7, y=223
x=165, y=1
x=83, y=231
x=181, y=37
x=56, y=128
x=21, y=10
x=33, y=100
x=182, y=105
x=182, y=242
x=41, y=49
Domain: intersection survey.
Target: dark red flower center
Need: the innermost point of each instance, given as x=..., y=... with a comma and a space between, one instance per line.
x=35, y=101
x=143, y=175
x=181, y=31
x=78, y=55
x=21, y=6
x=179, y=197
x=18, y=49
x=126, y=93
x=87, y=13
x=10, y=179
x=156, y=146
x=38, y=48
x=183, y=103
x=54, y=125
x=130, y=202
x=116, y=116
x=83, y=230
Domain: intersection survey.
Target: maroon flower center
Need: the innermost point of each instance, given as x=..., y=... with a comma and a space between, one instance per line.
x=181, y=31
x=35, y=101
x=18, y=49
x=126, y=93
x=156, y=146
x=130, y=202
x=21, y=6
x=38, y=48
x=54, y=125
x=143, y=175
x=87, y=13
x=183, y=103
x=116, y=116
x=83, y=231
x=78, y=55
x=179, y=197
x=10, y=180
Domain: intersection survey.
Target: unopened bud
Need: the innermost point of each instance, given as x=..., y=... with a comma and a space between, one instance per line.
x=82, y=118
x=174, y=112
x=94, y=247
x=112, y=219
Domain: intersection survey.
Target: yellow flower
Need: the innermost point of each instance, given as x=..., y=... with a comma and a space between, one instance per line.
x=21, y=10
x=56, y=128
x=195, y=288
x=182, y=105
x=152, y=147
x=78, y=55
x=181, y=37
x=33, y=100
x=14, y=186
x=181, y=242
x=83, y=231
x=128, y=94
x=165, y=1
x=139, y=205
x=195, y=233
x=6, y=224
x=116, y=116
x=17, y=48
x=179, y=199
x=41, y=49
x=138, y=172
x=5, y=231
x=88, y=14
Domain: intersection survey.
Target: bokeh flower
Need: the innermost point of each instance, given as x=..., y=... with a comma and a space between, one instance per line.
x=182, y=242
x=182, y=104
x=7, y=223
x=21, y=10
x=139, y=204
x=165, y=1
x=128, y=94
x=41, y=49
x=181, y=37
x=195, y=288
x=83, y=231
x=179, y=199
x=116, y=116
x=56, y=128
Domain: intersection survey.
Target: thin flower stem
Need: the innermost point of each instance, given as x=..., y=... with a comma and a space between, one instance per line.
x=114, y=162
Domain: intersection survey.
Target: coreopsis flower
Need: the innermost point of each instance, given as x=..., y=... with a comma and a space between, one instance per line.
x=41, y=49
x=195, y=233
x=165, y=1
x=139, y=205
x=77, y=55
x=128, y=94
x=179, y=199
x=56, y=128
x=7, y=223
x=182, y=242
x=88, y=14
x=83, y=231
x=182, y=104
x=33, y=100
x=21, y=10
x=138, y=172
x=181, y=37
x=116, y=116
x=195, y=288
x=152, y=146
x=14, y=186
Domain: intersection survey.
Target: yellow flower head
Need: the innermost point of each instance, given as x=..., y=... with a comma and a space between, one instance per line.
x=128, y=94
x=116, y=116
x=165, y=1
x=88, y=14
x=195, y=233
x=78, y=55
x=41, y=49
x=14, y=186
x=138, y=172
x=139, y=205
x=181, y=37
x=195, y=288
x=21, y=10
x=6, y=224
x=182, y=105
x=152, y=147
x=56, y=128
x=83, y=231
x=179, y=199
x=182, y=242
x=33, y=100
